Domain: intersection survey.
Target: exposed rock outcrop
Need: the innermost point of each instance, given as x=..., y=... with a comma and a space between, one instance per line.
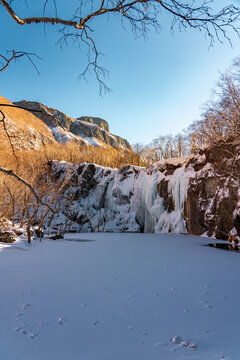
x=195, y=195
x=96, y=121
x=24, y=129
x=91, y=130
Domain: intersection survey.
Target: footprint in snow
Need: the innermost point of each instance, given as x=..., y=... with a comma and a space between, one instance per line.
x=19, y=317
x=43, y=323
x=21, y=327
x=30, y=335
x=26, y=306
x=61, y=321
x=177, y=340
x=130, y=296
x=208, y=307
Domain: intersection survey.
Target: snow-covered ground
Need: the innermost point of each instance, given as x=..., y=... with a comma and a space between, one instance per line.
x=119, y=297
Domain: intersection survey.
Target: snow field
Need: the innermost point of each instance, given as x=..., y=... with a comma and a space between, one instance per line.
x=119, y=297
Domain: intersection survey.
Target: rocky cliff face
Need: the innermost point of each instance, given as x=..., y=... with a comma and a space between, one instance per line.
x=25, y=129
x=85, y=130
x=195, y=195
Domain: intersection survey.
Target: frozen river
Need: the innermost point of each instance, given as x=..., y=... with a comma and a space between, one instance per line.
x=119, y=297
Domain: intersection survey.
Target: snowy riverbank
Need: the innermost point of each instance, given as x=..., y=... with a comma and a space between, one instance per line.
x=119, y=297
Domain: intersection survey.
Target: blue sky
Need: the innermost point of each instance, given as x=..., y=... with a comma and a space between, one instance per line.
x=159, y=85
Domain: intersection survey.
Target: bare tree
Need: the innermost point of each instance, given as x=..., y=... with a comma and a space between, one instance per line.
x=140, y=15
x=221, y=115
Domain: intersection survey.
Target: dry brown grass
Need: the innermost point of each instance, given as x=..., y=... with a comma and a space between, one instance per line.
x=25, y=129
x=24, y=118
x=31, y=165
x=26, y=146
x=70, y=152
x=22, y=126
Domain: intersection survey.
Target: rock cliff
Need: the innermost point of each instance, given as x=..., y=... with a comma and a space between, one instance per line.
x=25, y=129
x=85, y=130
x=196, y=195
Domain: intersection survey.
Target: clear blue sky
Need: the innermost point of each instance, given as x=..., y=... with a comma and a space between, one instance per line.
x=159, y=85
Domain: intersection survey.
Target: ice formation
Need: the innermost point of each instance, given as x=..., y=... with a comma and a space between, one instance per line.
x=123, y=200
x=197, y=195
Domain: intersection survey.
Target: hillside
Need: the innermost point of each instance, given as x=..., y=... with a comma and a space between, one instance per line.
x=25, y=129
x=83, y=130
x=41, y=125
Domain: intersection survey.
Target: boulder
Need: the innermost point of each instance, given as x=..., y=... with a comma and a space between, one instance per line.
x=7, y=236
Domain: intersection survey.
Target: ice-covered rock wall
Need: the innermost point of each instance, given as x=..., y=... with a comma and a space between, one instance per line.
x=198, y=194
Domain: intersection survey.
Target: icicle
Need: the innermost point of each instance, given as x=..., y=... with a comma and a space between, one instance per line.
x=174, y=221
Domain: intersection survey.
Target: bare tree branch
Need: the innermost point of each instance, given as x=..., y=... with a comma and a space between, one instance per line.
x=6, y=61
x=10, y=172
x=15, y=55
x=8, y=135
x=141, y=16
x=19, y=178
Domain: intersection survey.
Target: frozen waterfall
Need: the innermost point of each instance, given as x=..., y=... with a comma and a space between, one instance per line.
x=151, y=213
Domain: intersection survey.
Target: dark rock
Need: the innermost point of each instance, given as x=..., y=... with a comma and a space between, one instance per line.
x=121, y=199
x=56, y=237
x=18, y=232
x=80, y=169
x=97, y=121
x=193, y=215
x=224, y=216
x=108, y=172
x=237, y=224
x=7, y=236
x=170, y=168
x=165, y=195
x=39, y=233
